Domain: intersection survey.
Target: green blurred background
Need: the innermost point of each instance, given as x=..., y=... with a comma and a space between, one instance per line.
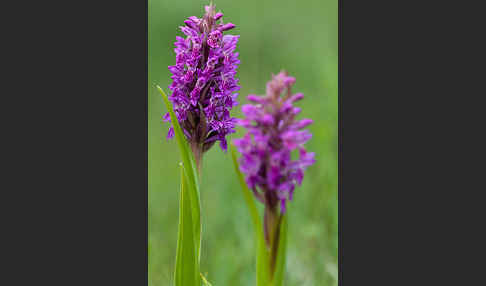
x=301, y=37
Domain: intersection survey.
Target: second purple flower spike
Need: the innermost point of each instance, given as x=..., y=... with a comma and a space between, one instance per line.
x=204, y=81
x=273, y=133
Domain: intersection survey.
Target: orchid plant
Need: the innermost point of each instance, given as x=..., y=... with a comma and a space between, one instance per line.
x=203, y=93
x=269, y=172
x=204, y=87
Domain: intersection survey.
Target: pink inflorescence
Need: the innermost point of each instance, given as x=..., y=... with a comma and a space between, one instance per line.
x=273, y=133
x=204, y=80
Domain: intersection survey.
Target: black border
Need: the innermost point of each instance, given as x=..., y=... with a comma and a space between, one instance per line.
x=82, y=149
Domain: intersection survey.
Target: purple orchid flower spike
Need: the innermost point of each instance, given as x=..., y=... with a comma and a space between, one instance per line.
x=273, y=134
x=204, y=83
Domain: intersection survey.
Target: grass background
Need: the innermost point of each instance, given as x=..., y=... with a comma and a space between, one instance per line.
x=301, y=37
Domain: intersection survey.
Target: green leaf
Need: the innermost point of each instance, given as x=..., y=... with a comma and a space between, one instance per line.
x=189, y=238
x=262, y=260
x=187, y=264
x=281, y=254
x=190, y=171
x=262, y=255
x=250, y=200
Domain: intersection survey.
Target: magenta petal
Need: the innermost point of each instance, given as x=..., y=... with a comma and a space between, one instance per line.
x=218, y=15
x=227, y=26
x=171, y=133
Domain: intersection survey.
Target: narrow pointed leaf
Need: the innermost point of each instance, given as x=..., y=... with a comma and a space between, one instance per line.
x=249, y=199
x=187, y=264
x=281, y=254
x=262, y=260
x=186, y=153
x=190, y=171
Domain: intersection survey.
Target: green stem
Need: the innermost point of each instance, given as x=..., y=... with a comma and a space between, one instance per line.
x=272, y=222
x=198, y=154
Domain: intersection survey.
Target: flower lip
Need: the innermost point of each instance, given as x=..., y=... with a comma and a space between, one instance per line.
x=217, y=16
x=190, y=24
x=214, y=38
x=227, y=26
